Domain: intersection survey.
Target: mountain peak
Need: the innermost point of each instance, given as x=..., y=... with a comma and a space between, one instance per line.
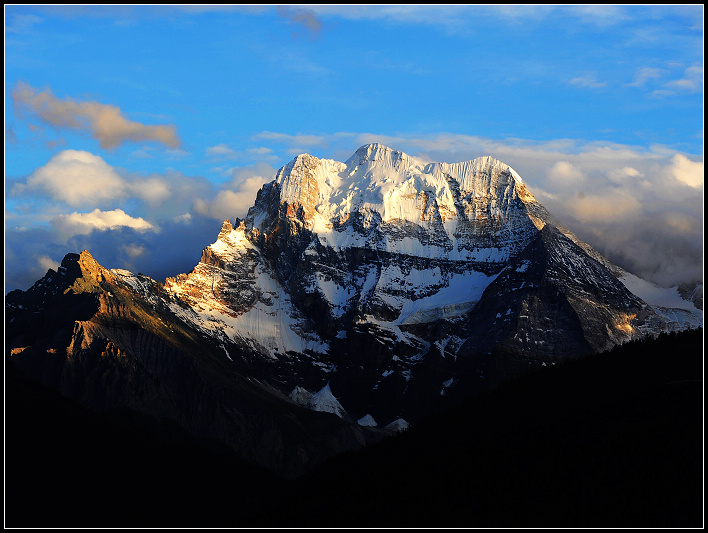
x=83, y=265
x=226, y=229
x=451, y=204
x=406, y=285
x=372, y=148
x=376, y=152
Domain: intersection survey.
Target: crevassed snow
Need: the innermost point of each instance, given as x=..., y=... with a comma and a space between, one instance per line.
x=271, y=329
x=681, y=317
x=276, y=327
x=377, y=179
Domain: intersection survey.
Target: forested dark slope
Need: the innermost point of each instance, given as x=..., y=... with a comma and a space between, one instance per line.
x=611, y=440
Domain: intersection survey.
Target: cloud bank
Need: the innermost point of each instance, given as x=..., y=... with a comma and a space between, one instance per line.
x=80, y=178
x=156, y=223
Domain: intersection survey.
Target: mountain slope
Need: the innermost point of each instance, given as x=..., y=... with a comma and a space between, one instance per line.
x=68, y=466
x=372, y=275
x=107, y=340
x=382, y=289
x=609, y=440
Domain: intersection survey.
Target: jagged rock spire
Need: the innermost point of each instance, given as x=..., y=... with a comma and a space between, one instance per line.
x=226, y=228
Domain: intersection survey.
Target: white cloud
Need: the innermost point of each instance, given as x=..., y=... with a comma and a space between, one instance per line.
x=77, y=178
x=45, y=263
x=185, y=218
x=221, y=151
x=134, y=250
x=691, y=81
x=645, y=74
x=238, y=195
x=262, y=153
x=680, y=222
x=226, y=204
x=153, y=190
x=82, y=179
x=626, y=176
x=97, y=220
x=613, y=206
x=661, y=93
x=177, y=153
x=686, y=171
x=565, y=175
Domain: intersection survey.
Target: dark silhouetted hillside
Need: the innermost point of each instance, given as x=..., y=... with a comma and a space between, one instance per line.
x=611, y=440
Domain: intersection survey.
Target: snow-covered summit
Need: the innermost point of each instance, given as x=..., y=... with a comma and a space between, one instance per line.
x=381, y=154
x=451, y=204
x=378, y=178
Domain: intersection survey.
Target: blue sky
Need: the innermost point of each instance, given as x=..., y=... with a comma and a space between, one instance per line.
x=133, y=131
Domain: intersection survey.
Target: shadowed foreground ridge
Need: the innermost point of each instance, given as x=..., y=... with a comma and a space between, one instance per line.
x=611, y=440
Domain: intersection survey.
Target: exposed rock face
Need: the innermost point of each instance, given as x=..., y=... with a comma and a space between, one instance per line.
x=376, y=289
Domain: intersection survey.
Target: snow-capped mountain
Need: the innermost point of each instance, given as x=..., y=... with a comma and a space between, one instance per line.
x=376, y=289
x=365, y=273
